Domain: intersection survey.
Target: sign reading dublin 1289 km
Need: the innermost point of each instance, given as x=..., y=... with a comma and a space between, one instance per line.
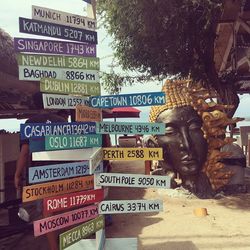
x=128, y=100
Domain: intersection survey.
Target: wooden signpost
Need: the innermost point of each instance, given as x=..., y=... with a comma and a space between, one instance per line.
x=35, y=73
x=128, y=100
x=48, y=29
x=73, y=200
x=131, y=154
x=130, y=206
x=130, y=128
x=70, y=62
x=63, y=220
x=37, y=130
x=52, y=101
x=80, y=232
x=61, y=171
x=84, y=113
x=64, y=18
x=72, y=141
x=40, y=191
x=132, y=180
x=54, y=47
x=69, y=87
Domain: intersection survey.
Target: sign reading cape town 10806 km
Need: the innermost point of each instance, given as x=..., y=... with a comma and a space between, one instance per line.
x=140, y=99
x=35, y=27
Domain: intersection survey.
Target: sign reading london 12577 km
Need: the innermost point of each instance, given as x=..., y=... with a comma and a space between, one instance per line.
x=128, y=100
x=130, y=128
x=36, y=130
x=54, y=47
x=53, y=101
x=64, y=18
x=35, y=27
x=56, y=86
x=71, y=62
x=35, y=73
x=127, y=154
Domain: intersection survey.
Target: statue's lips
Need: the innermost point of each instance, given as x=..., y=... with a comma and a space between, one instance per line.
x=187, y=160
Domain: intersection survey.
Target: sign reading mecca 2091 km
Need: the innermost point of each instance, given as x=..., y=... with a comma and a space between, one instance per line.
x=53, y=101
x=85, y=113
x=64, y=18
x=35, y=73
x=35, y=27
x=56, y=86
x=40, y=191
x=128, y=100
x=54, y=47
x=58, y=61
x=127, y=154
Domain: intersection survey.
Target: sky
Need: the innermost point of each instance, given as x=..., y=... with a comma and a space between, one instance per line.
x=10, y=12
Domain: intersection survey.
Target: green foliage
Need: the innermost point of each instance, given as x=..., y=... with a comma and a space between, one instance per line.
x=161, y=37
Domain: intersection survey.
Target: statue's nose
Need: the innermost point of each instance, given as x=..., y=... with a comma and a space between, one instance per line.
x=185, y=140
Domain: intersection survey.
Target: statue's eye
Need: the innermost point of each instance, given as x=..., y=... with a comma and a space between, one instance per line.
x=194, y=126
x=170, y=131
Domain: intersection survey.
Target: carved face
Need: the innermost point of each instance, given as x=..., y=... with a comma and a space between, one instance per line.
x=184, y=147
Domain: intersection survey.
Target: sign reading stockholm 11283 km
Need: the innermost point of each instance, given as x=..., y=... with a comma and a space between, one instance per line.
x=127, y=100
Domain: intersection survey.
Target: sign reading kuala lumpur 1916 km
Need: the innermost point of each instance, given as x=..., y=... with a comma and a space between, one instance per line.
x=56, y=86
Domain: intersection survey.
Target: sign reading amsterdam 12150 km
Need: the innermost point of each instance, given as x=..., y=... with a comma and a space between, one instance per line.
x=69, y=87
x=60, y=17
x=128, y=154
x=140, y=99
x=72, y=62
x=55, y=30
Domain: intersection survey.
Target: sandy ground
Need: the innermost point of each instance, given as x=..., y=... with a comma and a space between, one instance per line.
x=226, y=227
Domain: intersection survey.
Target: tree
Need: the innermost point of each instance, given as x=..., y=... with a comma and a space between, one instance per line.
x=162, y=37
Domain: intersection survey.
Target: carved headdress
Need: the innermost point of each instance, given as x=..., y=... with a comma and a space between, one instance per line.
x=180, y=93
